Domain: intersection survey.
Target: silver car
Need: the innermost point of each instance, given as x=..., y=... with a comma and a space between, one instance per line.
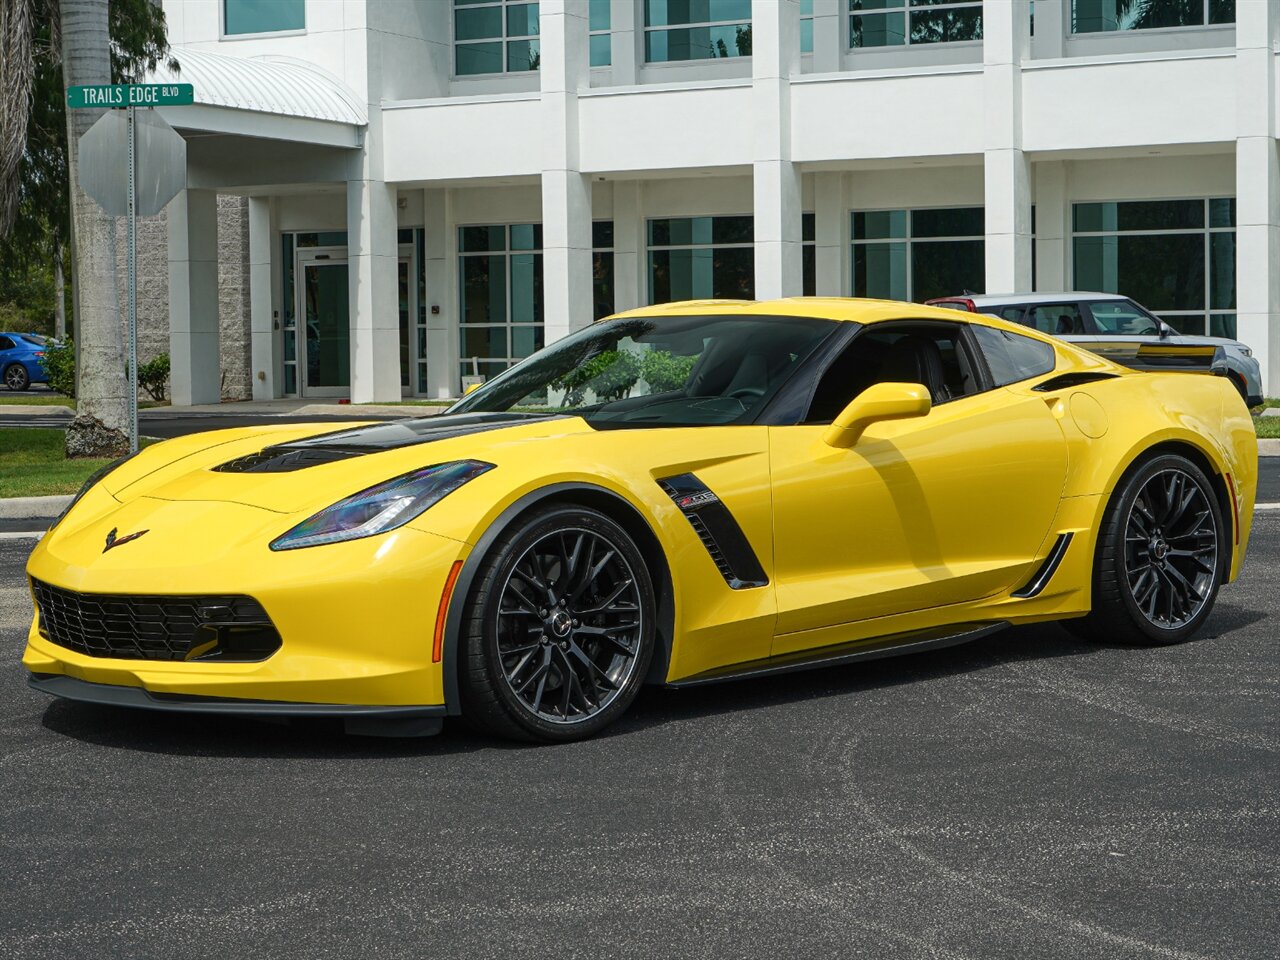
x=1086, y=318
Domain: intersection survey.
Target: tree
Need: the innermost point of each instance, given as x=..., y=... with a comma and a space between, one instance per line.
x=46, y=46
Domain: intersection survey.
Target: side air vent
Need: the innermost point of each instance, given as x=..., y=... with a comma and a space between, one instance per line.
x=719, y=532
x=1067, y=380
x=284, y=459
x=1040, y=579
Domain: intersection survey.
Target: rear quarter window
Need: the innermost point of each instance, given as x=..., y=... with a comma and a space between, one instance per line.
x=1011, y=356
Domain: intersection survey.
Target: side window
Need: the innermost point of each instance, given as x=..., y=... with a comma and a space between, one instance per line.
x=1057, y=319
x=1012, y=314
x=930, y=353
x=1013, y=357
x=6, y=343
x=1122, y=317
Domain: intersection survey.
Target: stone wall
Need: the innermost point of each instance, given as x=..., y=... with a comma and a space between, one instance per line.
x=233, y=291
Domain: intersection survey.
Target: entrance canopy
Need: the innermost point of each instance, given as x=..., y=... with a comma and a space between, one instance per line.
x=274, y=98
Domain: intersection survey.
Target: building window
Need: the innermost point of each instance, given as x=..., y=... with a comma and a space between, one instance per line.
x=1175, y=257
x=698, y=258
x=601, y=41
x=499, y=296
x=806, y=26
x=1109, y=16
x=262, y=16
x=494, y=36
x=696, y=29
x=918, y=254
x=893, y=23
x=602, y=268
x=809, y=254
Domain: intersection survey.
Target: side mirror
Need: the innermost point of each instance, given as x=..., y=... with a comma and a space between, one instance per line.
x=881, y=401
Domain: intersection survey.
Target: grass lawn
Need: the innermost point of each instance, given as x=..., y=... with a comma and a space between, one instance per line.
x=1268, y=427
x=37, y=400
x=32, y=464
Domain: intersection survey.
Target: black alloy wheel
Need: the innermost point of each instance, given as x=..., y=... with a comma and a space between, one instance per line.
x=560, y=630
x=1161, y=556
x=15, y=377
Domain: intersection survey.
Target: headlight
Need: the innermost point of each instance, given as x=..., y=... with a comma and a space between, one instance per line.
x=384, y=507
x=94, y=478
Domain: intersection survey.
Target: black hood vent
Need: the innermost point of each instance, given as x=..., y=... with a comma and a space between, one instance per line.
x=373, y=438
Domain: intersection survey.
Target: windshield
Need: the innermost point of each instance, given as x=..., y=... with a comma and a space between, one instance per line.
x=657, y=371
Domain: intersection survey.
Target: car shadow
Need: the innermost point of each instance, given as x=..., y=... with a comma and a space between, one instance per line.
x=245, y=737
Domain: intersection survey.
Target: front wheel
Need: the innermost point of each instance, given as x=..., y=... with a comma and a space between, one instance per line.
x=15, y=377
x=559, y=630
x=1160, y=556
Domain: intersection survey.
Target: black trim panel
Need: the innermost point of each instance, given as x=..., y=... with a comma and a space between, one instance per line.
x=717, y=529
x=1040, y=579
x=1065, y=381
x=869, y=649
x=113, y=695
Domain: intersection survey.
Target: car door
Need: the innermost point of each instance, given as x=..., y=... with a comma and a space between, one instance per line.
x=950, y=507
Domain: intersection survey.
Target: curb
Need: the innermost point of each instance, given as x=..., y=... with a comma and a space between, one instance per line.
x=33, y=508
x=38, y=411
x=1269, y=448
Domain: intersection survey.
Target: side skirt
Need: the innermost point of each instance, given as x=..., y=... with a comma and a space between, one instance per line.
x=873, y=649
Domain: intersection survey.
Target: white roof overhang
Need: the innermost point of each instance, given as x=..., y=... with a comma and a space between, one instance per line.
x=272, y=98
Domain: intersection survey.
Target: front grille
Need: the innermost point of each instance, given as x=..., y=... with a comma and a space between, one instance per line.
x=137, y=627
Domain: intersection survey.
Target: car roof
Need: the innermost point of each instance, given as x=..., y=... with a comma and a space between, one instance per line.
x=848, y=309
x=992, y=299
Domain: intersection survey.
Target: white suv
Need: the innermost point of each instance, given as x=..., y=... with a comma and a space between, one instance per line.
x=1086, y=318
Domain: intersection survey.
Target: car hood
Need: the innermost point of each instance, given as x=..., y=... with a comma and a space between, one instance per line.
x=303, y=468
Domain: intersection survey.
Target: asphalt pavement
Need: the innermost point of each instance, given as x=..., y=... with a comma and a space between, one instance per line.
x=1027, y=796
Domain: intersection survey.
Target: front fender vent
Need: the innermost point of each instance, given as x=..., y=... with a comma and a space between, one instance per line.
x=719, y=532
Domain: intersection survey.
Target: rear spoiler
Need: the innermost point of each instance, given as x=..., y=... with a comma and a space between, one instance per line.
x=1161, y=357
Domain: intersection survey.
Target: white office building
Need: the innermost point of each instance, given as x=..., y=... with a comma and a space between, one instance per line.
x=436, y=188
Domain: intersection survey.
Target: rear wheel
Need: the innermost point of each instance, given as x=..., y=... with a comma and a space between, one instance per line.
x=1159, y=559
x=559, y=630
x=15, y=377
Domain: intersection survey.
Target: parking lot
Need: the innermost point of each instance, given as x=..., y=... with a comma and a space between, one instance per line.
x=1026, y=796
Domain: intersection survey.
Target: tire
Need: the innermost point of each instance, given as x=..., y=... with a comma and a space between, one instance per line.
x=16, y=377
x=1160, y=558
x=559, y=629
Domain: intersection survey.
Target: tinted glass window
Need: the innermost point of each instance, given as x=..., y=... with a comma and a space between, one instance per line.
x=1013, y=357
x=32, y=338
x=930, y=354
x=1057, y=319
x=1122, y=317
x=6, y=343
x=263, y=16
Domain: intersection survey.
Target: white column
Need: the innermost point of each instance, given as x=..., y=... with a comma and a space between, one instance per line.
x=1053, y=213
x=372, y=253
x=443, y=329
x=775, y=57
x=630, y=286
x=829, y=215
x=1258, y=188
x=1007, y=173
x=193, y=298
x=626, y=42
x=566, y=191
x=829, y=41
x=262, y=358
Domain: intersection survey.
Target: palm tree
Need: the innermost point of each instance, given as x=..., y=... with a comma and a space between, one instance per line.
x=101, y=387
x=95, y=42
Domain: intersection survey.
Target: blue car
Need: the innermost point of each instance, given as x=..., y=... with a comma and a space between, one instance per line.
x=21, y=360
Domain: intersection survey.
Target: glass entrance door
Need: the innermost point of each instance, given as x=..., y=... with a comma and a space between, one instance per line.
x=325, y=310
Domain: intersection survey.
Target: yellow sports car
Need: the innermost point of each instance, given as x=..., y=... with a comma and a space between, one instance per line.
x=679, y=494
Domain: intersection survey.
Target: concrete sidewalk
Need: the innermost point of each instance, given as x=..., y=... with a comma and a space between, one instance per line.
x=251, y=408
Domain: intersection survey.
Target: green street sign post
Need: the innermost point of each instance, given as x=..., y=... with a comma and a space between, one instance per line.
x=130, y=96
x=108, y=96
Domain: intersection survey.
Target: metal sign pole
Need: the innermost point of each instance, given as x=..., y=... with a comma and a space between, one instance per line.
x=132, y=385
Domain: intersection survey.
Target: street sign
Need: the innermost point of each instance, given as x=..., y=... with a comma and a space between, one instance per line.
x=113, y=95
x=160, y=162
x=154, y=158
